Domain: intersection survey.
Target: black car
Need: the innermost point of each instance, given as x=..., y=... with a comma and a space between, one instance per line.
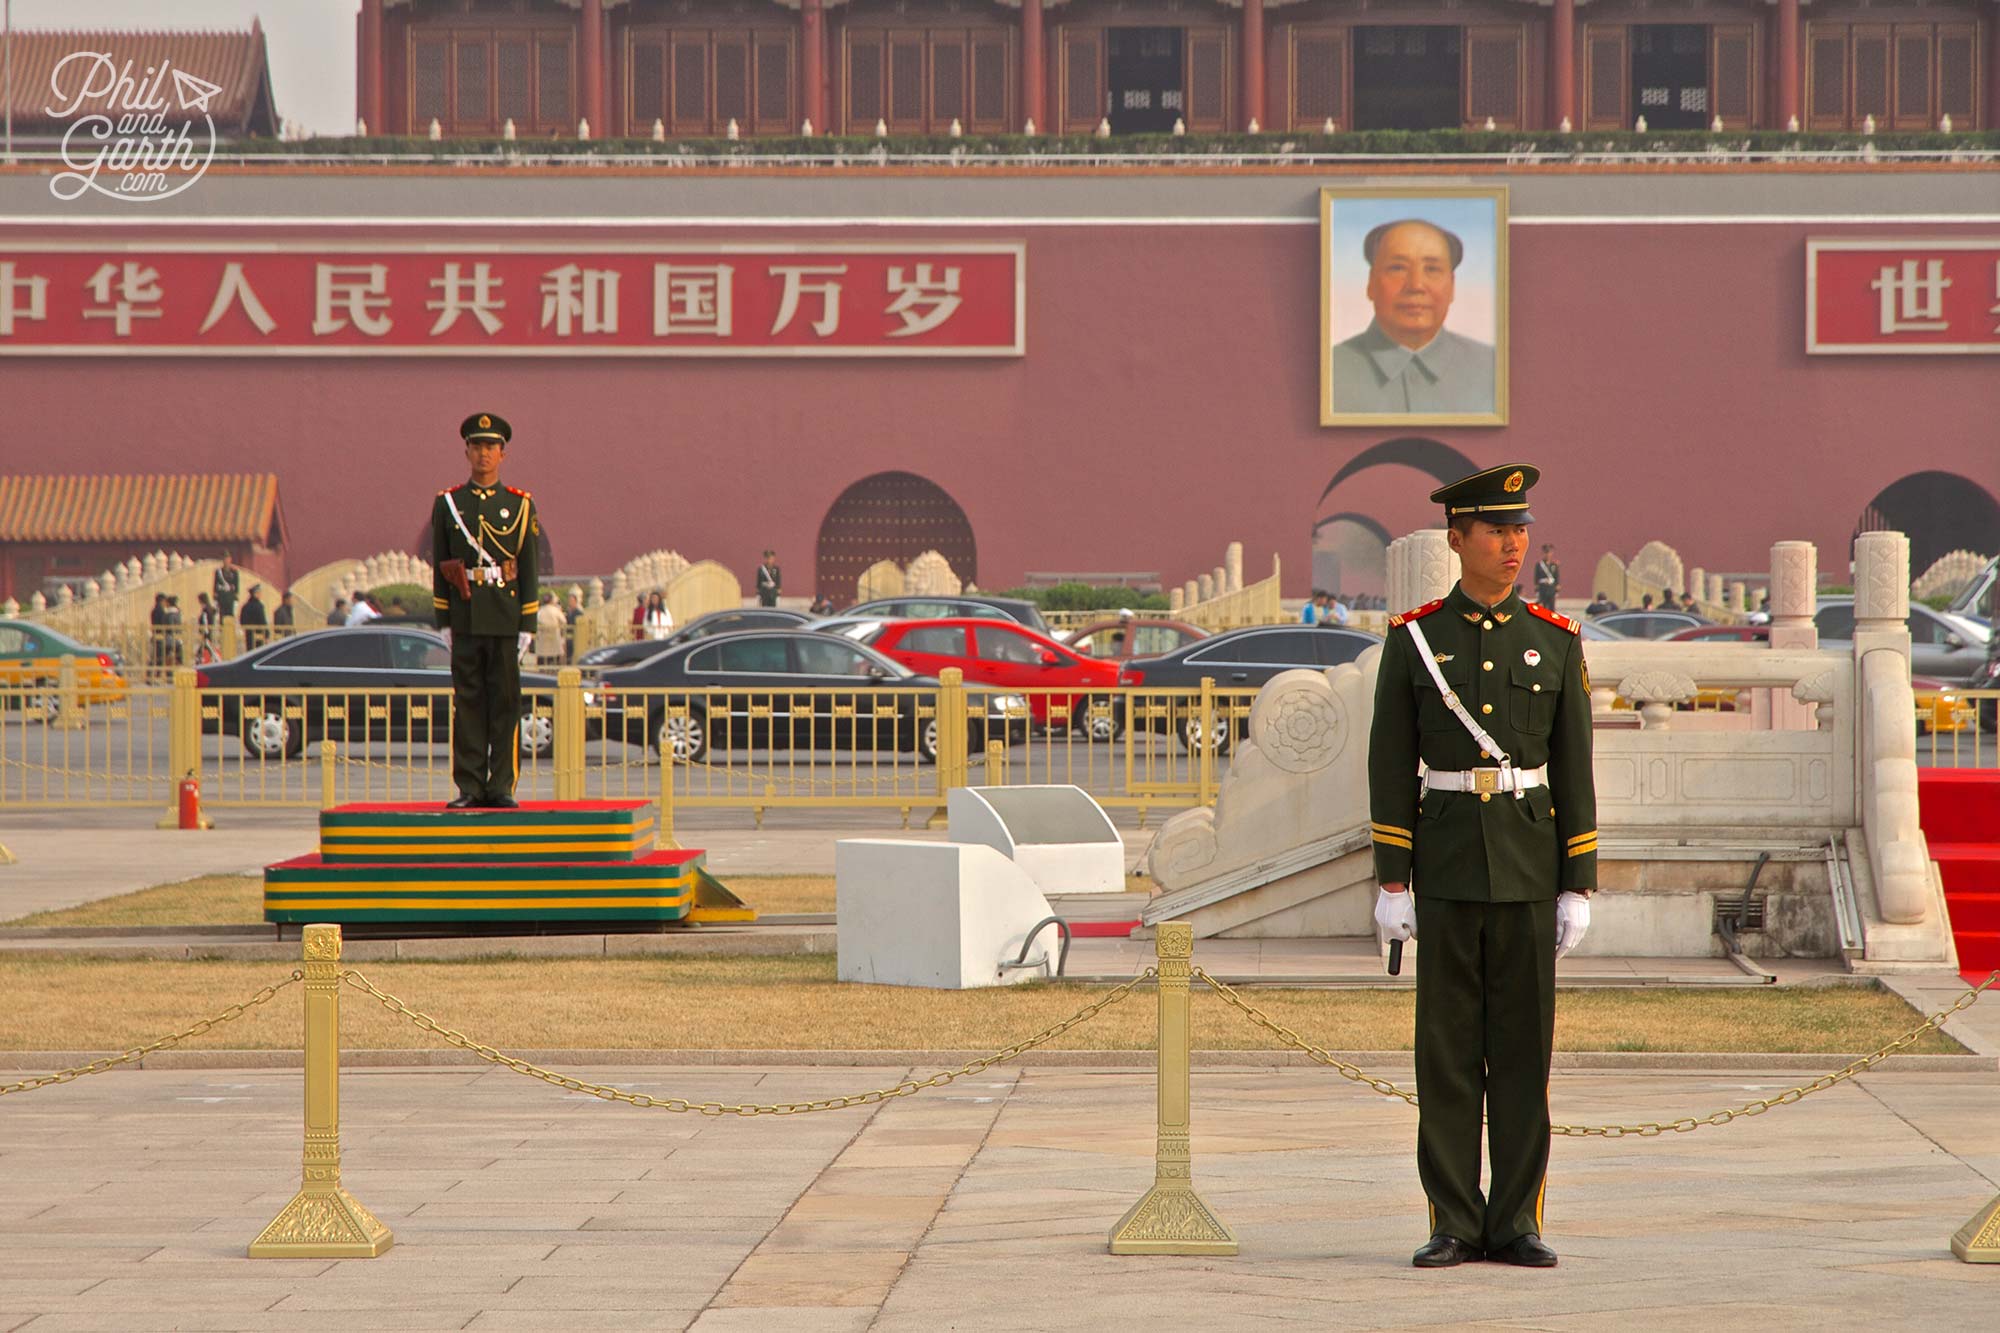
x=701, y=627
x=255, y=702
x=858, y=698
x=1236, y=660
x=1018, y=610
x=1651, y=624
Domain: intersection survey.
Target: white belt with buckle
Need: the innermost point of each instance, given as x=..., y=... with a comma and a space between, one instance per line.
x=1486, y=779
x=488, y=574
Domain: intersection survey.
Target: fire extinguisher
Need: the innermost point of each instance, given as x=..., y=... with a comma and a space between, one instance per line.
x=190, y=793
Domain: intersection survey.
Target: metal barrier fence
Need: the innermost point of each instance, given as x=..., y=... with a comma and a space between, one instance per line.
x=83, y=742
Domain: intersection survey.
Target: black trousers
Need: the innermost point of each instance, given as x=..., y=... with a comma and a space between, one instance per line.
x=485, y=714
x=1486, y=1018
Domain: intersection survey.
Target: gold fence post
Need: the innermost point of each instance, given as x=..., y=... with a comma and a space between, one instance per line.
x=69, y=707
x=326, y=776
x=183, y=741
x=568, y=751
x=666, y=840
x=323, y=1221
x=1170, y=1218
x=1210, y=738
x=996, y=763
x=227, y=648
x=1978, y=1241
x=952, y=764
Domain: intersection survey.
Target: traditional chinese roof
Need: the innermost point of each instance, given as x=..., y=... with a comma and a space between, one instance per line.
x=235, y=62
x=236, y=507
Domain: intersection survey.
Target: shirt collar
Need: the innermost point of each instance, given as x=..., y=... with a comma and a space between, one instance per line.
x=1391, y=358
x=1462, y=605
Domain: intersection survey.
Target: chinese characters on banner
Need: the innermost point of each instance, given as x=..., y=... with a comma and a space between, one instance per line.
x=589, y=299
x=1903, y=296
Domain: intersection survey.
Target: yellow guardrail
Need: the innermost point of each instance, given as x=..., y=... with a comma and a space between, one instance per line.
x=74, y=741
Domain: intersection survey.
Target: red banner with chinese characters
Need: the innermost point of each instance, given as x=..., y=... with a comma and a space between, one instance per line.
x=305, y=298
x=1903, y=296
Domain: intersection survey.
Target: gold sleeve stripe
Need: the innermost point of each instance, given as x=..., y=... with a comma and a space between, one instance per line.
x=1584, y=837
x=1586, y=849
x=1389, y=840
x=1391, y=828
x=526, y=607
x=439, y=601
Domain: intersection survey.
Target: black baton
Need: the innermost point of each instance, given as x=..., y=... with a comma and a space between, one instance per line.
x=1395, y=958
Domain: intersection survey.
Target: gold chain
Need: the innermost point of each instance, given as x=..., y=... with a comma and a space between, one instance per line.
x=1649, y=1129
x=609, y=1093
x=233, y=1012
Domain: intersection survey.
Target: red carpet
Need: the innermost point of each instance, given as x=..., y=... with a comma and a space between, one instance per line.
x=1960, y=812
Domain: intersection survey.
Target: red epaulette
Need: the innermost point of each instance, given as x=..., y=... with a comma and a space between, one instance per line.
x=1417, y=614
x=517, y=490
x=1554, y=618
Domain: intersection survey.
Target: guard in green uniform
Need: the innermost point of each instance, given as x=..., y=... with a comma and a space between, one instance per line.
x=1481, y=799
x=485, y=592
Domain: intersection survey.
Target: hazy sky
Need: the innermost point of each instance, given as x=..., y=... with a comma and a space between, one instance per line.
x=311, y=42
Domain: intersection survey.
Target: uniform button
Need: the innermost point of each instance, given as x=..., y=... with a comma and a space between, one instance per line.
x=1487, y=625
x=1486, y=796
x=1485, y=666
x=1484, y=755
x=1536, y=688
x=1486, y=708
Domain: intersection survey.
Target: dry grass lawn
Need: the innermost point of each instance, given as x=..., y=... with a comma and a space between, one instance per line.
x=794, y=1003
x=238, y=900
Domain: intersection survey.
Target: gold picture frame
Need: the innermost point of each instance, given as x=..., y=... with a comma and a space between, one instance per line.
x=1458, y=375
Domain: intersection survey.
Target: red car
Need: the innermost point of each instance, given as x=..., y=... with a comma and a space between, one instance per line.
x=1000, y=652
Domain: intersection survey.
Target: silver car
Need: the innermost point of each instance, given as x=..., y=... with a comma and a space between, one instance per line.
x=1950, y=647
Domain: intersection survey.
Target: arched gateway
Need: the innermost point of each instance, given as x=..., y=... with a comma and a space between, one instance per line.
x=1941, y=512
x=890, y=516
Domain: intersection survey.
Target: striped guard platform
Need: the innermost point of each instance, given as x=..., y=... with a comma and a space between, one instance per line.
x=429, y=834
x=658, y=886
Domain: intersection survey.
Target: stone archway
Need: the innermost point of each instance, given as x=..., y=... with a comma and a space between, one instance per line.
x=1350, y=554
x=890, y=516
x=1366, y=498
x=1940, y=512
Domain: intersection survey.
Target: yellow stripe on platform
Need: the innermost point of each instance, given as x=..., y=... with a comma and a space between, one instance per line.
x=677, y=883
x=482, y=848
x=445, y=835
x=330, y=904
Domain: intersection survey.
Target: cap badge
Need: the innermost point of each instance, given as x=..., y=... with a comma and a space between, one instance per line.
x=1515, y=480
x=486, y=423
x=1532, y=657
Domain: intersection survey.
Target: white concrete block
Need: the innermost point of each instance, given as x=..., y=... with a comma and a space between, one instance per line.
x=934, y=914
x=1058, y=834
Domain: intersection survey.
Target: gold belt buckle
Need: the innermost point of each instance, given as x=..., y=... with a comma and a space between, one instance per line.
x=1486, y=779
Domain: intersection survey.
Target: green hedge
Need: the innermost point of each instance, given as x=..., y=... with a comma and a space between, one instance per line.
x=416, y=600
x=863, y=149
x=1088, y=597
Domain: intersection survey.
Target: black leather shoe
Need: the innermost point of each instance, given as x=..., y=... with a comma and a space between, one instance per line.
x=500, y=801
x=462, y=803
x=1524, y=1252
x=1443, y=1251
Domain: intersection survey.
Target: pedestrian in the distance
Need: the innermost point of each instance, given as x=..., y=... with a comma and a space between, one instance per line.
x=768, y=579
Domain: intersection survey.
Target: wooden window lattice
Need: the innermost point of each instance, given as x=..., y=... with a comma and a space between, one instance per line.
x=1827, y=95
x=1208, y=81
x=947, y=82
x=1606, y=67
x=553, y=95
x=1913, y=78
x=732, y=84
x=513, y=83
x=989, y=84
x=649, y=81
x=1956, y=78
x=1493, y=78
x=691, y=85
x=906, y=82
x=774, y=85
x=1083, y=98
x=864, y=86
x=430, y=80
x=1319, y=61
x=470, y=102
x=1871, y=76
x=1732, y=75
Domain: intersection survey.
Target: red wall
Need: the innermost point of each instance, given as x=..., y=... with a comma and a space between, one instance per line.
x=1167, y=405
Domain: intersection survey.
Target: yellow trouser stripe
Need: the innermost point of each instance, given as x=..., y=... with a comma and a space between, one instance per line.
x=1390, y=828
x=1541, y=1195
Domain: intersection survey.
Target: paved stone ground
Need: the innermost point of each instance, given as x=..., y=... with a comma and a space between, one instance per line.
x=128, y=1200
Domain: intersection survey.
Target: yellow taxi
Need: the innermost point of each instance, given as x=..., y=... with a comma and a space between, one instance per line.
x=31, y=670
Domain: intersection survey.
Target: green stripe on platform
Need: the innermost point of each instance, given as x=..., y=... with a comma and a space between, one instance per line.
x=314, y=915
x=441, y=818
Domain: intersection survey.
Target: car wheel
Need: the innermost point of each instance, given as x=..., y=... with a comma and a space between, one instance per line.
x=43, y=702
x=1191, y=736
x=538, y=736
x=269, y=736
x=927, y=741
x=1989, y=714
x=685, y=735
x=1098, y=720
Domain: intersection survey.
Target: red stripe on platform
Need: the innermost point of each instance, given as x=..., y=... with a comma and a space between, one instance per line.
x=1101, y=930
x=526, y=807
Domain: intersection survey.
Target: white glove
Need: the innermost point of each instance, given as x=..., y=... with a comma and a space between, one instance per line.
x=526, y=638
x=446, y=631
x=1395, y=915
x=1572, y=919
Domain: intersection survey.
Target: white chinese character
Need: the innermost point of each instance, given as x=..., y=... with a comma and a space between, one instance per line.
x=922, y=302
x=454, y=300
x=356, y=292
x=796, y=287
x=235, y=287
x=691, y=298
x=1912, y=303
x=572, y=295
x=125, y=288
x=11, y=308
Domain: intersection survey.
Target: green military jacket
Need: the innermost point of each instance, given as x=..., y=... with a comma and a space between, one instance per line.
x=1519, y=671
x=503, y=520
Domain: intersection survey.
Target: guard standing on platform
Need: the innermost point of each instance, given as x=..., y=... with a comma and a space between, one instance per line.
x=485, y=592
x=1496, y=834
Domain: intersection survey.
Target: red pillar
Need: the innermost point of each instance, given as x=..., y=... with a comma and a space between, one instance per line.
x=370, y=66
x=1253, y=63
x=1788, y=61
x=593, y=67
x=1032, y=92
x=812, y=44
x=1562, y=64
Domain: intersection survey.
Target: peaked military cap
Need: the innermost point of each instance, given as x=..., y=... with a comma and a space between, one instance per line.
x=1498, y=495
x=485, y=426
